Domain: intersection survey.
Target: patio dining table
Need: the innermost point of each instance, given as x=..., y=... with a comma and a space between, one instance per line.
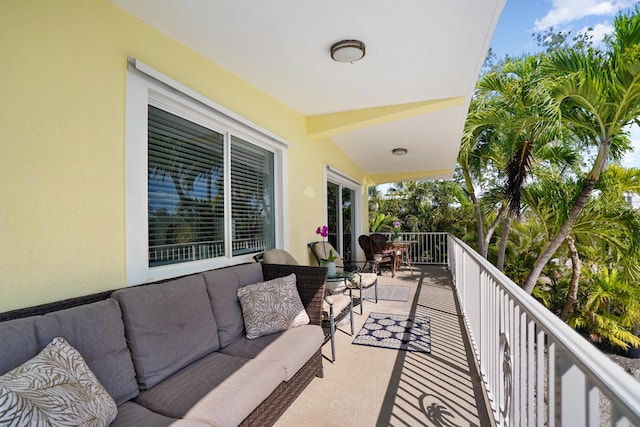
x=401, y=247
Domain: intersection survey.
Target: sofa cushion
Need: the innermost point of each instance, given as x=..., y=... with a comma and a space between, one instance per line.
x=236, y=397
x=322, y=250
x=168, y=325
x=367, y=279
x=291, y=348
x=132, y=414
x=249, y=349
x=222, y=285
x=97, y=332
x=18, y=342
x=218, y=389
x=56, y=387
x=271, y=306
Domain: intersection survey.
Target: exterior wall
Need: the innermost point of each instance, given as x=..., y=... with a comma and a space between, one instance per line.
x=62, y=139
x=633, y=199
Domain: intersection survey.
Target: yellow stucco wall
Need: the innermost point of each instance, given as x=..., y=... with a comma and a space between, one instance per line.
x=62, y=144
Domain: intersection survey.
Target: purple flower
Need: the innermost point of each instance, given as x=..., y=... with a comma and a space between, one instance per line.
x=396, y=230
x=323, y=231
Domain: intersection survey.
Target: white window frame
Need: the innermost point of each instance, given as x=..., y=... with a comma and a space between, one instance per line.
x=147, y=86
x=337, y=177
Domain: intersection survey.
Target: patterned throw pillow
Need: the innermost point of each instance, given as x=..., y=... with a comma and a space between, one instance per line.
x=55, y=388
x=273, y=306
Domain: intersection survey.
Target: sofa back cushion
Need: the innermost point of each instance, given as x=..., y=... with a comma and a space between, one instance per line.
x=18, y=342
x=168, y=325
x=222, y=286
x=97, y=332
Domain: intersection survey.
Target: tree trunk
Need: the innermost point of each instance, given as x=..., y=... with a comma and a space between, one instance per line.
x=506, y=227
x=494, y=225
x=482, y=248
x=554, y=244
x=578, y=205
x=572, y=294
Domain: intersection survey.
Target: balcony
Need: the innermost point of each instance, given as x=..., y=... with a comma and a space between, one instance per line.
x=498, y=358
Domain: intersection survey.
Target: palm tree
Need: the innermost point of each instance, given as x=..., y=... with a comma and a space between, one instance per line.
x=474, y=158
x=605, y=227
x=514, y=112
x=611, y=311
x=597, y=95
x=609, y=227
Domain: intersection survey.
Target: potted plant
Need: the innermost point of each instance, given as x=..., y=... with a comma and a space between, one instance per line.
x=395, y=231
x=330, y=260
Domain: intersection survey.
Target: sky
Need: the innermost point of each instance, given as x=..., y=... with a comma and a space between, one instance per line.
x=521, y=18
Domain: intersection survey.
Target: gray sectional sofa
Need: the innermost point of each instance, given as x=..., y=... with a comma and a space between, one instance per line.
x=175, y=352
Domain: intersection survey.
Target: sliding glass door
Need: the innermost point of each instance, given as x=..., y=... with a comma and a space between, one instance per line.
x=341, y=217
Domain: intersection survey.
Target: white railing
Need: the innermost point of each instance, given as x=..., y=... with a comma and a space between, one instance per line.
x=537, y=370
x=183, y=252
x=425, y=248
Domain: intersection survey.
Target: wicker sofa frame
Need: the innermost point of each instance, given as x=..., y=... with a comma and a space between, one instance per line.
x=310, y=283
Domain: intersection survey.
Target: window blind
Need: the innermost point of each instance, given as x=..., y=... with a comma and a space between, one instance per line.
x=253, y=227
x=185, y=190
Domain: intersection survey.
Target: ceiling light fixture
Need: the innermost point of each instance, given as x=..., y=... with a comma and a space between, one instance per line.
x=399, y=151
x=347, y=51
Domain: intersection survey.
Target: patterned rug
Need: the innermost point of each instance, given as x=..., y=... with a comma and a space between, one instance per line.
x=388, y=293
x=396, y=331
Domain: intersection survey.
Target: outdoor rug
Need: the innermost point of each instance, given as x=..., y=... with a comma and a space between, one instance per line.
x=388, y=293
x=396, y=331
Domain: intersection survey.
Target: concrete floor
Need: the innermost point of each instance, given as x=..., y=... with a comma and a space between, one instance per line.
x=370, y=386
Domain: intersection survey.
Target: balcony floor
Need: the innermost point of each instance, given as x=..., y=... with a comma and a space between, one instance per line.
x=370, y=386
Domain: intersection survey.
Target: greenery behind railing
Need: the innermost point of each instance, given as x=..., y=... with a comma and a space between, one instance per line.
x=425, y=248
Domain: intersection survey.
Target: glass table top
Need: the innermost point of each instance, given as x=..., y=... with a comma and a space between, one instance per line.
x=340, y=275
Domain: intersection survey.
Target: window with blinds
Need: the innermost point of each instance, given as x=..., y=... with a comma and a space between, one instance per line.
x=186, y=182
x=251, y=197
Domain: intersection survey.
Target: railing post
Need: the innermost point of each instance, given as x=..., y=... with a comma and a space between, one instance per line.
x=569, y=382
x=536, y=370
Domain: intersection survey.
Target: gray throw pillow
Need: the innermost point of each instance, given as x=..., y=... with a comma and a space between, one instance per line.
x=272, y=306
x=56, y=387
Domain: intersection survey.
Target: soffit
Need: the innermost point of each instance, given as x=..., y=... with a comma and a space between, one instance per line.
x=417, y=52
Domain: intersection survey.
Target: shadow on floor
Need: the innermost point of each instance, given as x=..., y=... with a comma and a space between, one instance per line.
x=436, y=389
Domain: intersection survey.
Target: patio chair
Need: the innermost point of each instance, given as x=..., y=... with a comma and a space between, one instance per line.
x=335, y=307
x=374, y=247
x=358, y=281
x=276, y=256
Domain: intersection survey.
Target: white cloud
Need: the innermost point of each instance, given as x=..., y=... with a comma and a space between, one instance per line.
x=598, y=32
x=565, y=11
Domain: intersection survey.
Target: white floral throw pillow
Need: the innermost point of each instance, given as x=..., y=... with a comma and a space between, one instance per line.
x=55, y=388
x=272, y=306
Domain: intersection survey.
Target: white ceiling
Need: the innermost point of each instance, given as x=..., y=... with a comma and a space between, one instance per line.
x=417, y=50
